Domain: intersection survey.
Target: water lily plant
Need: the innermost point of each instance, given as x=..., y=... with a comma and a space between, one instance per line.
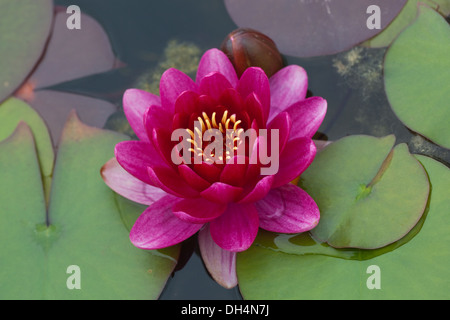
x=228, y=196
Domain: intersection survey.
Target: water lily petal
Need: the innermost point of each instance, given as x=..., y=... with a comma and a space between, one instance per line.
x=136, y=156
x=234, y=170
x=128, y=186
x=215, y=60
x=259, y=191
x=288, y=209
x=221, y=264
x=186, y=103
x=254, y=80
x=307, y=116
x=192, y=178
x=157, y=227
x=135, y=105
x=282, y=122
x=236, y=229
x=162, y=141
x=254, y=167
x=156, y=117
x=295, y=158
x=254, y=107
x=173, y=83
x=287, y=86
x=232, y=100
x=198, y=210
x=221, y=193
x=170, y=181
x=208, y=171
x=213, y=85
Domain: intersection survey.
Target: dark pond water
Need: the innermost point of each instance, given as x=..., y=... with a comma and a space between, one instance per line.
x=141, y=30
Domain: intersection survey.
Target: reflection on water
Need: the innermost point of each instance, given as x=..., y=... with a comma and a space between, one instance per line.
x=140, y=32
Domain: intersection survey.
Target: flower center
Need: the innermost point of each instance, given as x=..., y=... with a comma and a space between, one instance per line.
x=226, y=130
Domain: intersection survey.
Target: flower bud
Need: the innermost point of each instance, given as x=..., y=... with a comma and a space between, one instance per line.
x=250, y=48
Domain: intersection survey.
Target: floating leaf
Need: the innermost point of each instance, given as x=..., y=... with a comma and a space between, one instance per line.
x=369, y=194
x=13, y=111
x=313, y=27
x=416, y=76
x=404, y=19
x=24, y=29
x=297, y=267
x=83, y=227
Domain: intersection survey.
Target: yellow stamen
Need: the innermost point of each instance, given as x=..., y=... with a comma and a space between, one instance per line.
x=202, y=123
x=207, y=121
x=214, y=120
x=236, y=124
x=224, y=118
x=191, y=133
x=192, y=141
x=197, y=131
x=227, y=124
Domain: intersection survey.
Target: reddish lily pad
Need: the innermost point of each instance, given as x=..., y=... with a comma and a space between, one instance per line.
x=63, y=61
x=83, y=227
x=312, y=28
x=55, y=107
x=369, y=193
x=24, y=29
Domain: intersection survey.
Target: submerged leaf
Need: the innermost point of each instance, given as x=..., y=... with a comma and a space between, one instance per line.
x=55, y=107
x=312, y=27
x=74, y=53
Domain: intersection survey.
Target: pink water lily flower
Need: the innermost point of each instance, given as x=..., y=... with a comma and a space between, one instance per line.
x=225, y=202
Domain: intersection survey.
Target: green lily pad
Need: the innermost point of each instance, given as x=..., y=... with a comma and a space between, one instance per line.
x=404, y=19
x=298, y=267
x=24, y=29
x=416, y=78
x=84, y=226
x=369, y=193
x=13, y=111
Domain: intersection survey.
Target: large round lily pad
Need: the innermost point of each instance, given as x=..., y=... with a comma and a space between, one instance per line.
x=369, y=193
x=78, y=247
x=24, y=29
x=298, y=267
x=416, y=76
